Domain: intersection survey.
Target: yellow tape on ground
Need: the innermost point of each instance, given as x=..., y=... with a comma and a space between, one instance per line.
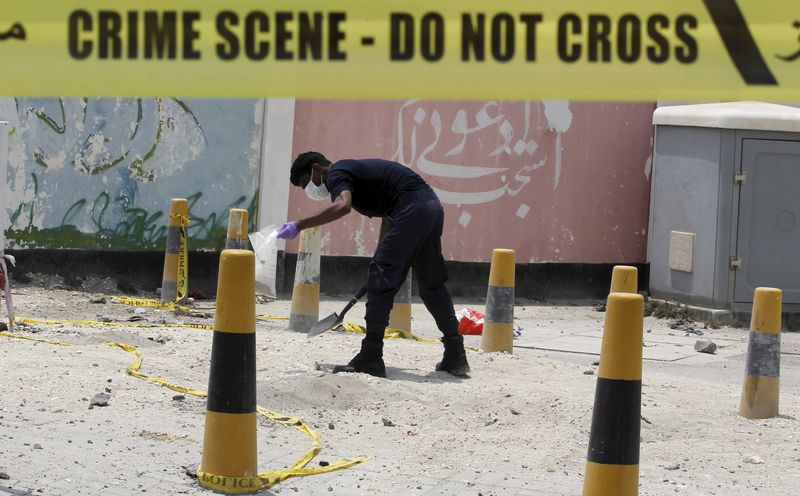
x=271, y=317
x=17, y=336
x=235, y=485
x=151, y=303
x=507, y=49
x=391, y=333
x=25, y=320
x=148, y=302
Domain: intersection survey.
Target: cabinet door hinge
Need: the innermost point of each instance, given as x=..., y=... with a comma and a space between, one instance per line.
x=736, y=262
x=740, y=179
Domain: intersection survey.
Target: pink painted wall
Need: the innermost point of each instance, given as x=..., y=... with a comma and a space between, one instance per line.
x=555, y=181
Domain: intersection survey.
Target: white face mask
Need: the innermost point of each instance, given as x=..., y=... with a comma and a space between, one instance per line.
x=317, y=193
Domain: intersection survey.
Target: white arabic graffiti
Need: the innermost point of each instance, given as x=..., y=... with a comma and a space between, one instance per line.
x=479, y=152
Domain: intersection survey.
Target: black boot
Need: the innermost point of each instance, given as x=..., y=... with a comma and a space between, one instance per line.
x=369, y=360
x=455, y=358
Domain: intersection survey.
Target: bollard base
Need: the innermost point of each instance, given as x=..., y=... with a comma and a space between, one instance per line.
x=611, y=480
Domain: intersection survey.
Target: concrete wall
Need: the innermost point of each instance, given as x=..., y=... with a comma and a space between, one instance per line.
x=556, y=181
x=98, y=173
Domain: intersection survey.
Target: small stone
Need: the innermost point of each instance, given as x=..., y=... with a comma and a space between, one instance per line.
x=99, y=300
x=190, y=472
x=4, y=476
x=705, y=346
x=178, y=397
x=596, y=363
x=514, y=412
x=588, y=372
x=387, y=422
x=323, y=463
x=754, y=459
x=492, y=420
x=674, y=466
x=100, y=399
x=37, y=446
x=103, y=318
x=330, y=425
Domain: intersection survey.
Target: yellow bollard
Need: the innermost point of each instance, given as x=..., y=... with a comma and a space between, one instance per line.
x=761, y=388
x=498, y=324
x=400, y=317
x=174, y=283
x=305, y=294
x=612, y=464
x=237, y=230
x=624, y=279
x=229, y=445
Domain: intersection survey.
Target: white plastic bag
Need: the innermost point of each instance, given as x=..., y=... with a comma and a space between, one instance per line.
x=265, y=247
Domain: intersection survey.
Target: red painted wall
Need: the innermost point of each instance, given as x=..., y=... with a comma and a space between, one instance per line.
x=555, y=181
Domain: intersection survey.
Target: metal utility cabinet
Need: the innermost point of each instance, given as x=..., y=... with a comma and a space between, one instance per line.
x=725, y=204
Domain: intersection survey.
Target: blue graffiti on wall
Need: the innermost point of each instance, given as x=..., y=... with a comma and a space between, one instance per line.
x=99, y=173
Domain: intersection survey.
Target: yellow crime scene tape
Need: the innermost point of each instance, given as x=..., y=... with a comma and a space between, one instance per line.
x=350, y=327
x=466, y=49
x=25, y=320
x=153, y=303
x=183, y=261
x=389, y=333
x=231, y=485
x=149, y=302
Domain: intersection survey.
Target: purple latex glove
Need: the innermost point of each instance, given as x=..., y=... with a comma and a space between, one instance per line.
x=288, y=230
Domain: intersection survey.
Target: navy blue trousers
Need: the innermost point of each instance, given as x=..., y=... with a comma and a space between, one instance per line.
x=413, y=240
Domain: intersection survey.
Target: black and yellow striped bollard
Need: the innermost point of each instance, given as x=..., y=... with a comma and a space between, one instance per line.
x=761, y=388
x=612, y=464
x=237, y=230
x=400, y=316
x=175, y=279
x=498, y=322
x=229, y=447
x=624, y=279
x=305, y=294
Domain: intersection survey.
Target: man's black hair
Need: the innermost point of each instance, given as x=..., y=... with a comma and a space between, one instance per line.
x=302, y=165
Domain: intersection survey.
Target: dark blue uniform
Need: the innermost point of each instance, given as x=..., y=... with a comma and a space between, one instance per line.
x=381, y=188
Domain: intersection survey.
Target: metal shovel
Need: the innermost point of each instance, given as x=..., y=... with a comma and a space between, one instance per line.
x=335, y=319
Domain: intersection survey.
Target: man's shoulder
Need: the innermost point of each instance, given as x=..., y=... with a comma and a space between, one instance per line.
x=351, y=163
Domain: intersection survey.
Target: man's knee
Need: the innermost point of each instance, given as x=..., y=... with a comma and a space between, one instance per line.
x=382, y=280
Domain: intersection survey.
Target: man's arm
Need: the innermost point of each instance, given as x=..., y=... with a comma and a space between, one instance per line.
x=340, y=207
x=384, y=228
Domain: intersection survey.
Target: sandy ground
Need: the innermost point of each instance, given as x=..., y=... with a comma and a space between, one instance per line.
x=518, y=426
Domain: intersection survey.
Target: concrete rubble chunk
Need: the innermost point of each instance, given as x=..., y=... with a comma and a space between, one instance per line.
x=705, y=346
x=754, y=459
x=100, y=399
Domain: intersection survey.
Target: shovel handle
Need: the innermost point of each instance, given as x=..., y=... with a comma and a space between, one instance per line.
x=354, y=300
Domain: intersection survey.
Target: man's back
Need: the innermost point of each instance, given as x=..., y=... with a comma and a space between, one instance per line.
x=376, y=185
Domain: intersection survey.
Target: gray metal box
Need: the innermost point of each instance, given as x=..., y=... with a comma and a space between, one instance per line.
x=725, y=204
